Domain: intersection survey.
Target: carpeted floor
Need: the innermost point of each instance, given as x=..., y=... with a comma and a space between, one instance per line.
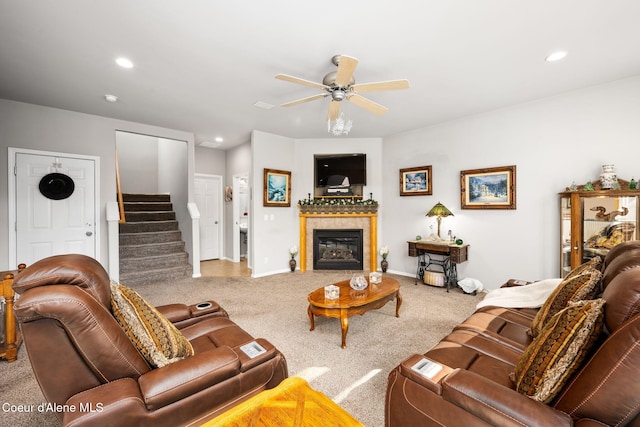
x=275, y=308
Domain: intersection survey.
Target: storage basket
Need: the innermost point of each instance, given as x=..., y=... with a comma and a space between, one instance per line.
x=433, y=278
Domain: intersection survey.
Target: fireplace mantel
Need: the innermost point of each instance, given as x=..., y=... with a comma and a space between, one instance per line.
x=367, y=221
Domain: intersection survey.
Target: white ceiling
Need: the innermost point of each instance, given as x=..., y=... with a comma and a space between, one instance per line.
x=200, y=65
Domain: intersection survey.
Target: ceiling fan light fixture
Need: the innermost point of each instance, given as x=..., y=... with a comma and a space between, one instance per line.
x=340, y=127
x=338, y=95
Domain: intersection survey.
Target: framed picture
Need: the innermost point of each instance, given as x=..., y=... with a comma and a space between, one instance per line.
x=491, y=188
x=277, y=188
x=416, y=181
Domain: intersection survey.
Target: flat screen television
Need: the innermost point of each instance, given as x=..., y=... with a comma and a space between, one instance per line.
x=353, y=166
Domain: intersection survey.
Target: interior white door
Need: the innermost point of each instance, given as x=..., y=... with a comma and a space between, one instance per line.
x=45, y=226
x=208, y=197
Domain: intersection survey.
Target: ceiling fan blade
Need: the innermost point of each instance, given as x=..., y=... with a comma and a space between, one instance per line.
x=303, y=100
x=367, y=104
x=334, y=110
x=346, y=67
x=381, y=86
x=301, y=81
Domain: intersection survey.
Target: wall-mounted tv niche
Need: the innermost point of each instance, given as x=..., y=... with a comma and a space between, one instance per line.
x=332, y=169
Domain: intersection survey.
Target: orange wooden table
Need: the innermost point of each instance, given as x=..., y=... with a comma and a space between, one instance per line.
x=13, y=337
x=352, y=302
x=292, y=404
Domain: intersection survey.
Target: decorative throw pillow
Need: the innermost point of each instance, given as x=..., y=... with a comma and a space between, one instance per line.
x=594, y=263
x=155, y=337
x=555, y=355
x=581, y=287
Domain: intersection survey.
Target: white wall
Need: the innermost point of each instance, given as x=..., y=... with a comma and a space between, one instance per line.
x=138, y=162
x=50, y=129
x=210, y=161
x=272, y=230
x=304, y=161
x=552, y=142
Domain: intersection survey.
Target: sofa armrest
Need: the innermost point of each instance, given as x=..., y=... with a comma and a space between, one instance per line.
x=174, y=312
x=182, y=315
x=117, y=400
x=496, y=404
x=179, y=312
x=432, y=383
x=162, y=386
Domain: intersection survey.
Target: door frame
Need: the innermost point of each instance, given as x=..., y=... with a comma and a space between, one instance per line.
x=236, y=222
x=221, y=234
x=12, y=197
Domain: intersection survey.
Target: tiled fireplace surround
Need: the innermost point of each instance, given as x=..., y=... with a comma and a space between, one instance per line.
x=368, y=222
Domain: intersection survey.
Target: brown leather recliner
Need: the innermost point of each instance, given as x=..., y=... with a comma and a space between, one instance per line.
x=91, y=373
x=475, y=388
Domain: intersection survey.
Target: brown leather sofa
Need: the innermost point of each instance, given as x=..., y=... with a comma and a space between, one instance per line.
x=475, y=386
x=91, y=373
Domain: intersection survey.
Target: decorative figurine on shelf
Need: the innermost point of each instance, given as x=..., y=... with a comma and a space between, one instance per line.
x=608, y=178
x=384, y=264
x=632, y=184
x=601, y=214
x=588, y=186
x=573, y=186
x=293, y=251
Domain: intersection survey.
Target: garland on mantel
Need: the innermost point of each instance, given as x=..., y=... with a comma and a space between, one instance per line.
x=337, y=205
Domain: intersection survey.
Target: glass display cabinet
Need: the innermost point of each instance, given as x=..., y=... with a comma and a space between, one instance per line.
x=594, y=221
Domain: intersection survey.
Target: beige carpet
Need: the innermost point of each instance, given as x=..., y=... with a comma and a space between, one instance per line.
x=275, y=308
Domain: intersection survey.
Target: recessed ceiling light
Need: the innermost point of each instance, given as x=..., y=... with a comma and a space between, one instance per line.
x=556, y=56
x=219, y=139
x=111, y=98
x=124, y=62
x=263, y=105
x=209, y=144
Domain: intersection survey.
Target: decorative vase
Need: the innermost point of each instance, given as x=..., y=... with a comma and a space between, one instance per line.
x=292, y=264
x=384, y=264
x=358, y=282
x=608, y=177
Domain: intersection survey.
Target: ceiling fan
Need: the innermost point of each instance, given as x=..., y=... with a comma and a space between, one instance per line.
x=340, y=85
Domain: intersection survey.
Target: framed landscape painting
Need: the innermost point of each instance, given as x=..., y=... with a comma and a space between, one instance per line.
x=277, y=188
x=416, y=181
x=491, y=188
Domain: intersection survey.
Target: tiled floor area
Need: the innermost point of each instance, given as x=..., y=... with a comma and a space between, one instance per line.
x=224, y=268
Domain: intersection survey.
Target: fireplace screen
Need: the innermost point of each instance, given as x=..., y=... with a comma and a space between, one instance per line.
x=337, y=249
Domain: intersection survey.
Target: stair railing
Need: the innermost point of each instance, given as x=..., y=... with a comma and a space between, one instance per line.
x=119, y=189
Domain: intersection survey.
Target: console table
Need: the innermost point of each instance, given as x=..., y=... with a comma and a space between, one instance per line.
x=447, y=256
x=12, y=337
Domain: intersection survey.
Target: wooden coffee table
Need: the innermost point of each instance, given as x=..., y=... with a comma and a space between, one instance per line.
x=353, y=302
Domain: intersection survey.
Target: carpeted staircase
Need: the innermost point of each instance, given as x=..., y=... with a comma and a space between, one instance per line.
x=151, y=246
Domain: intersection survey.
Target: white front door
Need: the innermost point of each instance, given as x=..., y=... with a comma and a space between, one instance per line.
x=45, y=225
x=208, y=197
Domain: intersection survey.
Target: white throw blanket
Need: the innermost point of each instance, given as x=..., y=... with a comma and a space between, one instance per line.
x=533, y=295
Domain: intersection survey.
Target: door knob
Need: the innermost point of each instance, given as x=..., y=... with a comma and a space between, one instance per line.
x=89, y=233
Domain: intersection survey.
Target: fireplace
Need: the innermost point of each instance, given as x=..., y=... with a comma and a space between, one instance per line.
x=339, y=249
x=366, y=221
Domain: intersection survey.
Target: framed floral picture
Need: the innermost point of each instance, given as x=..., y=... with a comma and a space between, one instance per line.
x=277, y=188
x=416, y=181
x=490, y=188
